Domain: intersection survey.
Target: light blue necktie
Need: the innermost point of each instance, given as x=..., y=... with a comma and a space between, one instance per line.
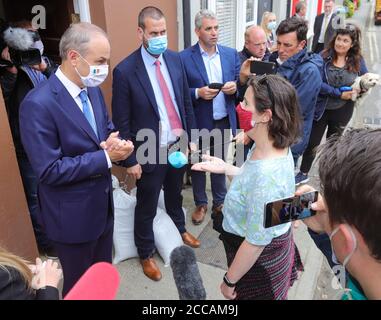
x=87, y=110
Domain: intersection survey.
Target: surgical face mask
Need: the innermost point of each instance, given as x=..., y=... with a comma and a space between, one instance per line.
x=96, y=76
x=271, y=25
x=280, y=62
x=157, y=45
x=39, y=45
x=349, y=256
x=244, y=118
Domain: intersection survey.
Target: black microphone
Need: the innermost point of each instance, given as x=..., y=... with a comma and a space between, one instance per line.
x=186, y=274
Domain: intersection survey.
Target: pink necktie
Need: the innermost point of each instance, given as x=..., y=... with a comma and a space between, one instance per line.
x=174, y=119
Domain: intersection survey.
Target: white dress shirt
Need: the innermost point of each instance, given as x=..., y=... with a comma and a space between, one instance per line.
x=326, y=20
x=74, y=91
x=167, y=136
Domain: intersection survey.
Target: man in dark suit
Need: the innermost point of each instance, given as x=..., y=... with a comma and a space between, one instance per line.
x=206, y=63
x=150, y=95
x=70, y=143
x=323, y=27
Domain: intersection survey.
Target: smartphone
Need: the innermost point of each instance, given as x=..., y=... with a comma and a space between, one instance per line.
x=260, y=67
x=290, y=209
x=215, y=85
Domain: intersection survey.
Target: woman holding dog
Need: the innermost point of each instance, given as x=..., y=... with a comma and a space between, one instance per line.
x=343, y=63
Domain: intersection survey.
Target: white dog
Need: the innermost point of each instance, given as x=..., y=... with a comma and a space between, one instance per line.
x=362, y=87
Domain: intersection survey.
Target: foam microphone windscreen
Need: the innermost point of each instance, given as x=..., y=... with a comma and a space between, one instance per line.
x=186, y=274
x=99, y=282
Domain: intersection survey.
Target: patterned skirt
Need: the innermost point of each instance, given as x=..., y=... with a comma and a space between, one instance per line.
x=274, y=272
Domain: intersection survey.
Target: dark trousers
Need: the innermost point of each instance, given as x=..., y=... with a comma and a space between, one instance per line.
x=29, y=180
x=324, y=244
x=336, y=121
x=218, y=181
x=148, y=191
x=319, y=48
x=76, y=258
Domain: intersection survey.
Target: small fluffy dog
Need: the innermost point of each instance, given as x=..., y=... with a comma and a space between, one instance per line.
x=363, y=84
x=362, y=87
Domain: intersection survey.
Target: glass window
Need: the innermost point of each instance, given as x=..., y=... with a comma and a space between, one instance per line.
x=226, y=11
x=249, y=11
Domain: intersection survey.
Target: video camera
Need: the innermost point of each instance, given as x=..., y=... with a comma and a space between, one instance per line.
x=20, y=43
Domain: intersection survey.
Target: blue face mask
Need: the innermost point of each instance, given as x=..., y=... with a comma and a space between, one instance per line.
x=271, y=25
x=157, y=45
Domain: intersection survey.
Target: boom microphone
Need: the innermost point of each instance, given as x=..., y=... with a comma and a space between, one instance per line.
x=18, y=38
x=186, y=274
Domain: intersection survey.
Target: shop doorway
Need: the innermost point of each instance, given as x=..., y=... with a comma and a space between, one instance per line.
x=59, y=15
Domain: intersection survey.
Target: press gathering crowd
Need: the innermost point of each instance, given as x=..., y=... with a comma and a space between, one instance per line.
x=66, y=145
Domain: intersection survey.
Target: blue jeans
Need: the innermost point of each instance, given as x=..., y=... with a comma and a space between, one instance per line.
x=29, y=180
x=323, y=242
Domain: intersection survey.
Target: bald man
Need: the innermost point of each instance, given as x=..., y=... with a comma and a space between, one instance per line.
x=255, y=44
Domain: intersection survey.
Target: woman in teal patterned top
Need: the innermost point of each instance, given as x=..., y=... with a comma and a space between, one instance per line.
x=263, y=263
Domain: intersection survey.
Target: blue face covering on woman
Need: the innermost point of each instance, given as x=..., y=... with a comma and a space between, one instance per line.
x=157, y=45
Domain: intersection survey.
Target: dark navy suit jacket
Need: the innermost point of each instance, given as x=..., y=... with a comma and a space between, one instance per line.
x=198, y=78
x=134, y=105
x=74, y=189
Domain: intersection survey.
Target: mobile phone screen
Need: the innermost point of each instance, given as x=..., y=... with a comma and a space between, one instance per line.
x=261, y=67
x=290, y=209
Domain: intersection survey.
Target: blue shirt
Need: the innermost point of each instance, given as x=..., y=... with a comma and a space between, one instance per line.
x=260, y=182
x=214, y=70
x=149, y=62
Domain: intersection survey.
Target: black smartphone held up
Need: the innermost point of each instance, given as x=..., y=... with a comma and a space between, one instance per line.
x=290, y=209
x=215, y=85
x=260, y=67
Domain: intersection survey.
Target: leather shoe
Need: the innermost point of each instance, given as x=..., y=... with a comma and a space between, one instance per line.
x=198, y=215
x=217, y=209
x=150, y=269
x=190, y=240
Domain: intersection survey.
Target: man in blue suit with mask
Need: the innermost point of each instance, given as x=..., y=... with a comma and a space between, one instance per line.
x=206, y=63
x=71, y=145
x=150, y=94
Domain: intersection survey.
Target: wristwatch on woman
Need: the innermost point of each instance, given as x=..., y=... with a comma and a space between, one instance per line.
x=227, y=281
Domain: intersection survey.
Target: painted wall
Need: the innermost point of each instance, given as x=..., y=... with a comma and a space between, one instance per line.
x=16, y=231
x=119, y=18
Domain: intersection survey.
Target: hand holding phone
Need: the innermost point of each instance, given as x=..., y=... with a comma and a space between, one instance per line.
x=261, y=67
x=290, y=209
x=215, y=85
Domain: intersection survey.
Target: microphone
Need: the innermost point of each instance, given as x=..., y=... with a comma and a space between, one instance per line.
x=18, y=38
x=186, y=274
x=99, y=282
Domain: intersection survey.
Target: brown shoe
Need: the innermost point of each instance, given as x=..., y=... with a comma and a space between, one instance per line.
x=198, y=215
x=190, y=240
x=150, y=269
x=217, y=210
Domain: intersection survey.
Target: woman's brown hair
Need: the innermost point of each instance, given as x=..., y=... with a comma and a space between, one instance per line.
x=354, y=55
x=277, y=94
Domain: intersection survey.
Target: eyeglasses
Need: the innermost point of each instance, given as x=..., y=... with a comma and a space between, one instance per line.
x=263, y=80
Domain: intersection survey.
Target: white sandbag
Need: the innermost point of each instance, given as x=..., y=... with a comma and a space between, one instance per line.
x=124, y=243
x=167, y=236
x=115, y=182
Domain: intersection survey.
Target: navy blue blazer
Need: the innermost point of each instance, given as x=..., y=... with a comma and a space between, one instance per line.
x=198, y=78
x=134, y=104
x=74, y=188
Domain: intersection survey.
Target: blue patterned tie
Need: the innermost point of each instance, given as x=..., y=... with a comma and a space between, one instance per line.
x=87, y=111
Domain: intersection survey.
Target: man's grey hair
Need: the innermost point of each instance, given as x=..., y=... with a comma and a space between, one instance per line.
x=77, y=37
x=299, y=6
x=149, y=12
x=203, y=14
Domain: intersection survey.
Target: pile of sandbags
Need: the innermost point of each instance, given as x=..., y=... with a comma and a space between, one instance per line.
x=167, y=236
